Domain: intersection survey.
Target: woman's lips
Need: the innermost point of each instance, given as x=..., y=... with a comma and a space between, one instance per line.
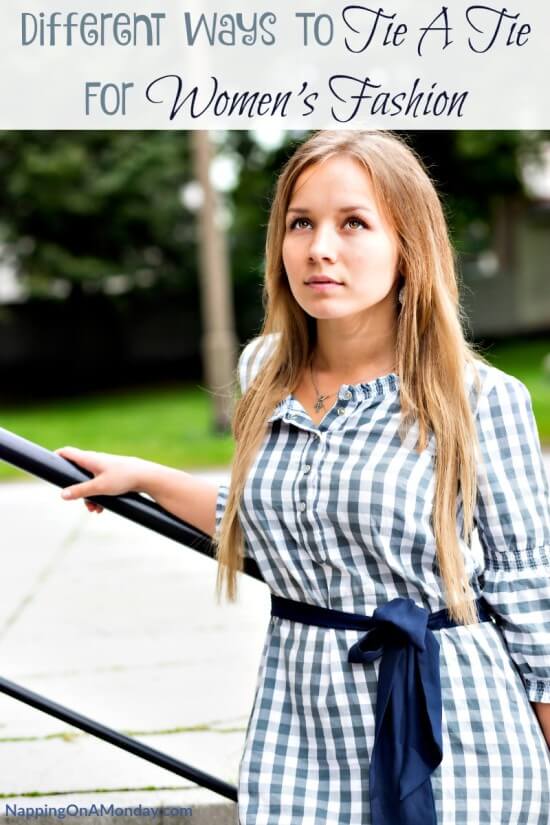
x=323, y=286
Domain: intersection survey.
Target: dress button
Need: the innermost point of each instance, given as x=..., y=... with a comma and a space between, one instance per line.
x=341, y=411
x=307, y=468
x=347, y=395
x=302, y=506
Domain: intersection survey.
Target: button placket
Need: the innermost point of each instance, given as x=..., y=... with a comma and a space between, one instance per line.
x=303, y=488
x=344, y=406
x=308, y=476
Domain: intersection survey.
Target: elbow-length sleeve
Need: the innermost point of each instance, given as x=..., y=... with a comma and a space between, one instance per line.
x=221, y=503
x=250, y=361
x=512, y=517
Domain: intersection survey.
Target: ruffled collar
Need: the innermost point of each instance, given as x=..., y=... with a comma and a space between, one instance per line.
x=372, y=391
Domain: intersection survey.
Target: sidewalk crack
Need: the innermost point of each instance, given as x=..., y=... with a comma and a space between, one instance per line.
x=41, y=577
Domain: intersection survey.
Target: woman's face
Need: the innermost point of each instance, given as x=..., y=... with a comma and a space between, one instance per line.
x=334, y=229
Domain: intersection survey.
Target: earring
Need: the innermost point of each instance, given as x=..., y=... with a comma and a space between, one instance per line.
x=401, y=295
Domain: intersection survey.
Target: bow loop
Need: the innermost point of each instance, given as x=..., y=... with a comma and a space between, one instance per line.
x=397, y=623
x=369, y=647
x=406, y=618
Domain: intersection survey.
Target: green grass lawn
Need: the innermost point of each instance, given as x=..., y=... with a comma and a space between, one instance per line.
x=173, y=425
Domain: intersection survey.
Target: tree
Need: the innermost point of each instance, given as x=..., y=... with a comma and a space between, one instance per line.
x=81, y=206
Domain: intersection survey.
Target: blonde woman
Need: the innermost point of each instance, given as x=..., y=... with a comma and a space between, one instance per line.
x=405, y=676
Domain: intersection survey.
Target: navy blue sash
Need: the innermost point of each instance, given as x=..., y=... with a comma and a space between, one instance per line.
x=407, y=741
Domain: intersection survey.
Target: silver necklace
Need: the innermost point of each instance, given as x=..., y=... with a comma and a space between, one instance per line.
x=320, y=401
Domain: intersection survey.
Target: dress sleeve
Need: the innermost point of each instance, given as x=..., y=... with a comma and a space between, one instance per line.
x=250, y=360
x=513, y=522
x=221, y=502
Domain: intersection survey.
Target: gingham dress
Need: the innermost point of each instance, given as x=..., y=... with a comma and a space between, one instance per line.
x=338, y=514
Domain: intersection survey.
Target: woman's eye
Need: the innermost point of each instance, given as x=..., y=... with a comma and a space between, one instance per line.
x=296, y=221
x=357, y=220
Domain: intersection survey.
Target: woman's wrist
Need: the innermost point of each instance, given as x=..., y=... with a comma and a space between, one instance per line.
x=152, y=478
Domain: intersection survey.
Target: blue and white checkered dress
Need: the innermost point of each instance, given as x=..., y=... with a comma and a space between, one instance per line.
x=338, y=515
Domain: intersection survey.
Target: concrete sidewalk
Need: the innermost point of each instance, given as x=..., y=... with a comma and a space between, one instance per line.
x=121, y=625
x=109, y=619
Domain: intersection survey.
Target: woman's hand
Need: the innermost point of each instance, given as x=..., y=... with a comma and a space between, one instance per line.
x=113, y=475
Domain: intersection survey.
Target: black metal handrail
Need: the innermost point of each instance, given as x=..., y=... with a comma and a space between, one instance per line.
x=44, y=464
x=126, y=743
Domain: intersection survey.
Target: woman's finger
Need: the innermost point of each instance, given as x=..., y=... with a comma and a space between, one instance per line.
x=85, y=458
x=79, y=490
x=92, y=507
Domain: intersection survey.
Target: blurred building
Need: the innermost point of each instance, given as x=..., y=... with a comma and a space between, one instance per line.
x=507, y=288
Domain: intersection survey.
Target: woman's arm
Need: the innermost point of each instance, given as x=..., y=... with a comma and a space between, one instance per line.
x=191, y=499
x=542, y=710
x=187, y=497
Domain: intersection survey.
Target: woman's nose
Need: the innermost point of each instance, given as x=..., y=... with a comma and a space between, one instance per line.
x=322, y=243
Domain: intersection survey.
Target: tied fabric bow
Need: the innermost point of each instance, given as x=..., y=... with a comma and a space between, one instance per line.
x=407, y=741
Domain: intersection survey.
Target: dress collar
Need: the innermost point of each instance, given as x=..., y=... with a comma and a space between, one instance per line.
x=372, y=391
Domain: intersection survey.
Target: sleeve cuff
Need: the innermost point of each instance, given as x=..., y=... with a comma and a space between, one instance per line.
x=538, y=690
x=221, y=502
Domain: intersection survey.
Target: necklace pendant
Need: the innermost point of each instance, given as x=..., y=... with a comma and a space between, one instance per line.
x=320, y=403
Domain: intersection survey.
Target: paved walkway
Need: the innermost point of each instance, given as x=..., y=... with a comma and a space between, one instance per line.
x=122, y=625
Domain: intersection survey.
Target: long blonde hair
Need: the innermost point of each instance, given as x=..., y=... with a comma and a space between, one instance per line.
x=431, y=350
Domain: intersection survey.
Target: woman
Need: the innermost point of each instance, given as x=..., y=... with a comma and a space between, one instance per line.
x=370, y=441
